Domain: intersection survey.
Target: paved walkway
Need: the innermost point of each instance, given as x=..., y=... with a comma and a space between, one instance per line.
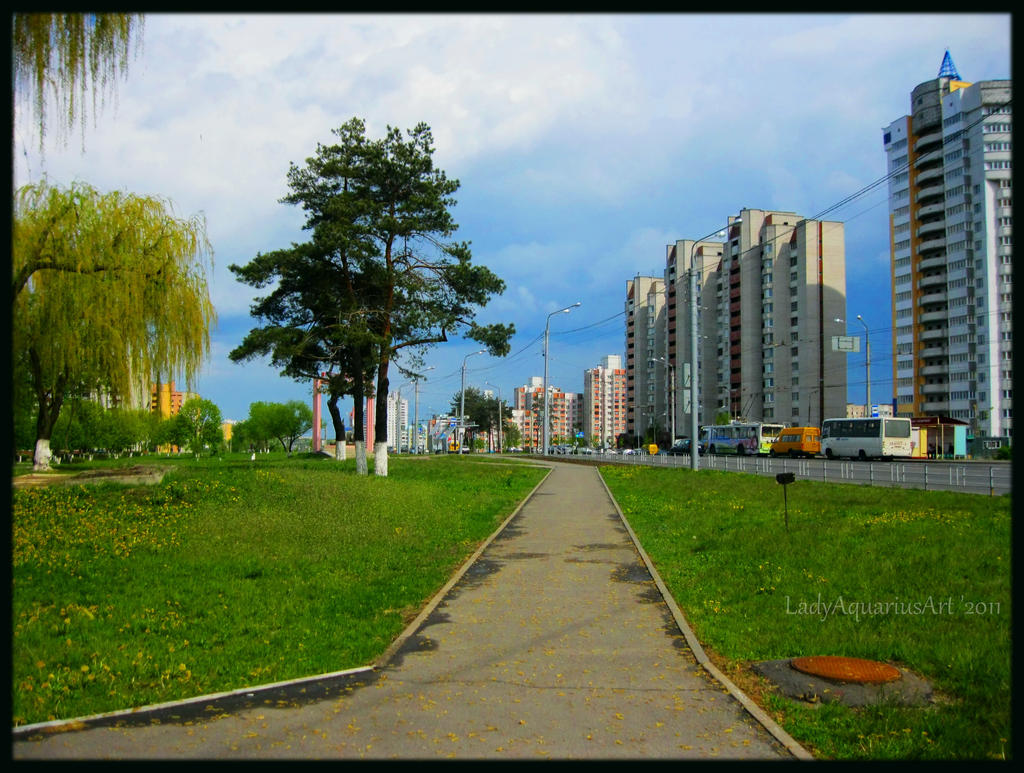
x=554, y=643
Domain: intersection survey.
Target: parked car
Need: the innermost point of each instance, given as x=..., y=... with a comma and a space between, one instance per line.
x=679, y=448
x=682, y=448
x=797, y=441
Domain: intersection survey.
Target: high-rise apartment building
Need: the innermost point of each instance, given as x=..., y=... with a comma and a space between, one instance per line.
x=951, y=226
x=528, y=408
x=398, y=420
x=770, y=299
x=166, y=401
x=604, y=402
x=646, y=382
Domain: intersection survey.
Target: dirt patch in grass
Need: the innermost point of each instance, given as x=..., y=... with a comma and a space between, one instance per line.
x=137, y=475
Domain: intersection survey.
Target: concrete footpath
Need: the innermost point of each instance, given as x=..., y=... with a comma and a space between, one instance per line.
x=554, y=641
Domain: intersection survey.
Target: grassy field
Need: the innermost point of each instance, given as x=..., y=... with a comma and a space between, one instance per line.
x=919, y=579
x=231, y=573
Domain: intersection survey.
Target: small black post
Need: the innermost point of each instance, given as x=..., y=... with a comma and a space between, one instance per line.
x=785, y=478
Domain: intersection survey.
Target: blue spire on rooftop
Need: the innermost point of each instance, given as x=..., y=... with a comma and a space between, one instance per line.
x=948, y=69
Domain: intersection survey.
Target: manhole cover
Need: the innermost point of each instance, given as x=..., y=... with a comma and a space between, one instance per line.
x=846, y=669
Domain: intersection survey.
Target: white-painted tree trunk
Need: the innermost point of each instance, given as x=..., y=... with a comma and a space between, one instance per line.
x=380, y=459
x=339, y=451
x=42, y=456
x=361, y=466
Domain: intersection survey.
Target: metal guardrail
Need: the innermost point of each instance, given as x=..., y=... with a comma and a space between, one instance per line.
x=972, y=477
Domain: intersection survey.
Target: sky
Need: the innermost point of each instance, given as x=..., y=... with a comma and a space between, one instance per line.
x=584, y=144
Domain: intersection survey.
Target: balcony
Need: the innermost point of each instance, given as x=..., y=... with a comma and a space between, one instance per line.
x=938, y=261
x=925, y=140
x=929, y=174
x=934, y=316
x=932, y=280
x=931, y=192
x=932, y=298
x=931, y=335
x=932, y=227
x=932, y=209
x=932, y=244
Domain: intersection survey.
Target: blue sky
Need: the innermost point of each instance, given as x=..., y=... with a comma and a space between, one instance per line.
x=584, y=144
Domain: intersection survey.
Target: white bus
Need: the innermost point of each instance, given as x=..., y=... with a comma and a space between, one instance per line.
x=866, y=438
x=741, y=437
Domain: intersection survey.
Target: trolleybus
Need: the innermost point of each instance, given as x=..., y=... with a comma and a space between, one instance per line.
x=742, y=437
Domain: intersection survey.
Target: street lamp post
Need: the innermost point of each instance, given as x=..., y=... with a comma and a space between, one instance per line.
x=867, y=367
x=462, y=400
x=671, y=396
x=499, y=413
x=416, y=414
x=547, y=329
x=694, y=430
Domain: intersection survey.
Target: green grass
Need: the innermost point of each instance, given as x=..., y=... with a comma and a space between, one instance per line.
x=923, y=579
x=231, y=573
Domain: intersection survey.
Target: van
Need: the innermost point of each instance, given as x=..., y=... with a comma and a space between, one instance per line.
x=797, y=441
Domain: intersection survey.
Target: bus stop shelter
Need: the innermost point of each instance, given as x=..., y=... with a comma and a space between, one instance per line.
x=940, y=437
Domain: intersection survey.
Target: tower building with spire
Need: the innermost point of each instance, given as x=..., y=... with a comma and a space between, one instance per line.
x=951, y=245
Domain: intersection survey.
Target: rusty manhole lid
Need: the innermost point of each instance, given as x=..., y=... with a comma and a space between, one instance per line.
x=846, y=669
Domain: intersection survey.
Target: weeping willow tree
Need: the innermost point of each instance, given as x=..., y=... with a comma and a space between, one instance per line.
x=68, y=56
x=108, y=289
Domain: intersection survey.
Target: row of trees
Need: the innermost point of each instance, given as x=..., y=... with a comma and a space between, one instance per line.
x=379, y=279
x=86, y=426
x=269, y=422
x=108, y=289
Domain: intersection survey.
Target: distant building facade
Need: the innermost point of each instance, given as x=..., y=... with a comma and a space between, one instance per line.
x=528, y=408
x=646, y=382
x=166, y=401
x=398, y=421
x=604, y=402
x=951, y=227
x=857, y=410
x=770, y=299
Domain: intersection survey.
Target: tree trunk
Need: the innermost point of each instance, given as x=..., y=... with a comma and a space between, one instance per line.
x=380, y=422
x=42, y=455
x=358, y=415
x=380, y=459
x=49, y=409
x=339, y=427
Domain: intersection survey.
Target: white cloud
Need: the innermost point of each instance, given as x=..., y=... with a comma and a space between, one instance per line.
x=585, y=143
